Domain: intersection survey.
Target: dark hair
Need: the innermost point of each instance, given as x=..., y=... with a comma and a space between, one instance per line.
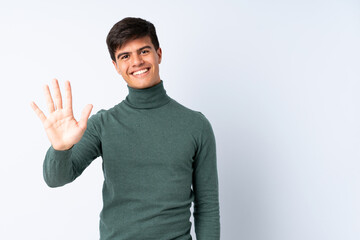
x=129, y=29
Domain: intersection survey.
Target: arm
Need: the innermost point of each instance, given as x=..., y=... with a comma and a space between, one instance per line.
x=205, y=186
x=64, y=132
x=62, y=167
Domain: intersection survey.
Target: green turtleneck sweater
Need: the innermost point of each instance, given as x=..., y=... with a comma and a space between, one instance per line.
x=158, y=157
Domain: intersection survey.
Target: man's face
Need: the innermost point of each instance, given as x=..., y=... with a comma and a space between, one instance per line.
x=137, y=62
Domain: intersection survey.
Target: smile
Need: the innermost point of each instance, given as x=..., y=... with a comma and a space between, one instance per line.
x=141, y=71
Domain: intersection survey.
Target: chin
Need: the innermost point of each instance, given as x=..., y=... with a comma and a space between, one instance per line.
x=139, y=83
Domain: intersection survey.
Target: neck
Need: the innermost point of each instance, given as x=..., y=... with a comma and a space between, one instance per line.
x=147, y=98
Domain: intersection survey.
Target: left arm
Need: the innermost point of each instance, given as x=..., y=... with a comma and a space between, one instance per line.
x=205, y=186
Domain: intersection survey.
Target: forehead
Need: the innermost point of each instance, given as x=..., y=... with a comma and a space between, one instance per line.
x=135, y=44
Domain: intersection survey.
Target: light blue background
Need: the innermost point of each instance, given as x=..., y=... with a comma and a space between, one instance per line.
x=278, y=80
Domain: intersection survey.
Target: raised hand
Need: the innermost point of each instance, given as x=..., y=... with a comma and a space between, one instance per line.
x=60, y=125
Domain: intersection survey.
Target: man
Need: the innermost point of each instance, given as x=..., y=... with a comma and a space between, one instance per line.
x=158, y=156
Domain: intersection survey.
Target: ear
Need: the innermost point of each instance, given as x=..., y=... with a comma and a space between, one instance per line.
x=159, y=53
x=116, y=67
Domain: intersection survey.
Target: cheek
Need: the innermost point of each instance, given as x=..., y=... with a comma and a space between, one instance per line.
x=155, y=66
x=124, y=74
x=123, y=69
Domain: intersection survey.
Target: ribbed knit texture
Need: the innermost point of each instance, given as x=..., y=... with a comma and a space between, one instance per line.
x=158, y=157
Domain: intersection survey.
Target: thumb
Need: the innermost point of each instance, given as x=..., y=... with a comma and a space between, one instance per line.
x=85, y=115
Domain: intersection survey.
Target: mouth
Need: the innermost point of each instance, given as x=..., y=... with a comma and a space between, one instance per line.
x=141, y=72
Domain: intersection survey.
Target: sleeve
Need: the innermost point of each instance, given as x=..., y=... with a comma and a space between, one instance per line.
x=62, y=167
x=205, y=186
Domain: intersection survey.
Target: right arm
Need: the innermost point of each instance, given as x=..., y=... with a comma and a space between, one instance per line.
x=64, y=160
x=62, y=167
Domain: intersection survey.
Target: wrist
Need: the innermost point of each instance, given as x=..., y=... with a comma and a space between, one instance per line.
x=62, y=148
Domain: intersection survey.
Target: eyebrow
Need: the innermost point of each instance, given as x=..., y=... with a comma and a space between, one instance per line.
x=123, y=53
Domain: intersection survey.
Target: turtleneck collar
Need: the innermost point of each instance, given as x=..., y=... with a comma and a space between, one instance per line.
x=147, y=98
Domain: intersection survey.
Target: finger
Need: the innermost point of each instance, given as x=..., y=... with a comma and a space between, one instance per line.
x=57, y=93
x=85, y=115
x=49, y=100
x=38, y=112
x=68, y=100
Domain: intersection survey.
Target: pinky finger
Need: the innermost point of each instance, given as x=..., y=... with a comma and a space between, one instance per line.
x=38, y=112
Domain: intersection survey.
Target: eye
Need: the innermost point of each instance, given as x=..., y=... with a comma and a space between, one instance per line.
x=144, y=51
x=124, y=57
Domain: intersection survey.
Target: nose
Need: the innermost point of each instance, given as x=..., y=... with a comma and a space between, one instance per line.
x=137, y=60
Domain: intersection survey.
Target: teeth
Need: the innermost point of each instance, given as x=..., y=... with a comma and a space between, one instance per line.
x=140, y=72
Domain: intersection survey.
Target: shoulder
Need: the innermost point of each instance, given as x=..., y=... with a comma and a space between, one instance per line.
x=197, y=124
x=196, y=118
x=99, y=119
x=103, y=114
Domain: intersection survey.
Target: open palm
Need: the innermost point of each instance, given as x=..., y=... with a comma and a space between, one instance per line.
x=61, y=127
